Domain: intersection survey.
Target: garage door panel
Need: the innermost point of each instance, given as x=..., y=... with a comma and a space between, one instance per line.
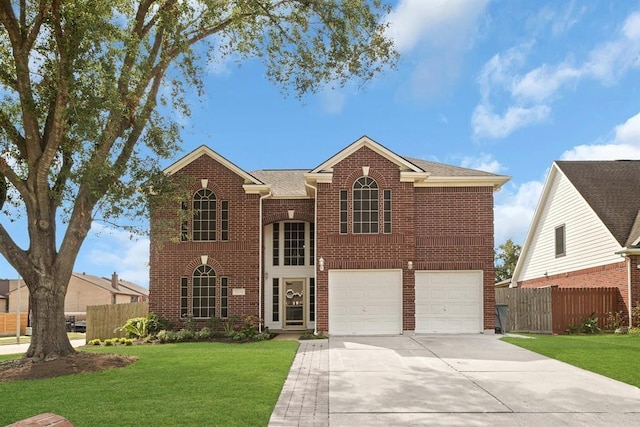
x=448, y=302
x=365, y=302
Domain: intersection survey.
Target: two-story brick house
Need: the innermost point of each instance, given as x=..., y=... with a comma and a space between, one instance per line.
x=366, y=243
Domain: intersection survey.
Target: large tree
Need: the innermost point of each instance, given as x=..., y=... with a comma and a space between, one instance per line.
x=83, y=85
x=506, y=258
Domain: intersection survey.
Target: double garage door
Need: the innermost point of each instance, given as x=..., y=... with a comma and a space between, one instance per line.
x=369, y=302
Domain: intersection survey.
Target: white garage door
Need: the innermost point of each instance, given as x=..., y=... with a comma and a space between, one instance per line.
x=448, y=302
x=365, y=302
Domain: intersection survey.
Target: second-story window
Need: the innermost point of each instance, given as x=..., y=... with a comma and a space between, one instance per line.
x=365, y=206
x=204, y=215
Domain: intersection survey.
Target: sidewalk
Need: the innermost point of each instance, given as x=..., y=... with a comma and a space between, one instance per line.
x=304, y=399
x=23, y=347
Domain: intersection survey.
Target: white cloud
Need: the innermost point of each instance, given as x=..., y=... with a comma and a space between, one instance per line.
x=625, y=144
x=433, y=37
x=530, y=93
x=544, y=82
x=486, y=123
x=443, y=23
x=483, y=162
x=514, y=210
x=111, y=249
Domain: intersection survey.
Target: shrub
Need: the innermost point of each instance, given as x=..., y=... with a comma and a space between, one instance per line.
x=312, y=336
x=128, y=342
x=185, y=335
x=95, y=342
x=204, y=333
x=137, y=327
x=108, y=343
x=614, y=320
x=634, y=331
x=189, y=324
x=157, y=323
x=165, y=336
x=590, y=324
x=243, y=328
x=215, y=324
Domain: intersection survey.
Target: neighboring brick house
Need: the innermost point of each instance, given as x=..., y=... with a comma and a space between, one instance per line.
x=586, y=230
x=366, y=243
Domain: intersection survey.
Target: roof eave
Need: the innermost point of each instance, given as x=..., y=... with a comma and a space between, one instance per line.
x=496, y=181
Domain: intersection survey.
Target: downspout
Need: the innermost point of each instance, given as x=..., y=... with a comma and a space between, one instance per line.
x=260, y=274
x=315, y=252
x=628, y=259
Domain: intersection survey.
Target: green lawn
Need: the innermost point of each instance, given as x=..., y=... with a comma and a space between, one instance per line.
x=614, y=356
x=212, y=384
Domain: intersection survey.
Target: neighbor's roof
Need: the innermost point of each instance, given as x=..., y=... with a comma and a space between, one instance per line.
x=612, y=189
x=124, y=287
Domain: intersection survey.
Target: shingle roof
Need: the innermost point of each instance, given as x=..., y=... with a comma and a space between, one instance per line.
x=440, y=169
x=290, y=182
x=612, y=189
x=286, y=182
x=124, y=287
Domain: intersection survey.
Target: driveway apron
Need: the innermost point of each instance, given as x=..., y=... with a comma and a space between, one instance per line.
x=448, y=380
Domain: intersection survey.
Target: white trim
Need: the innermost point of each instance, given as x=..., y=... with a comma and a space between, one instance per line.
x=365, y=141
x=203, y=150
x=461, y=181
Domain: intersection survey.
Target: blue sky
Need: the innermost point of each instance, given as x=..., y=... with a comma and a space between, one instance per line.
x=503, y=86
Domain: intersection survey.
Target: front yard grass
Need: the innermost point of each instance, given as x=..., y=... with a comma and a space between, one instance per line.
x=205, y=383
x=614, y=356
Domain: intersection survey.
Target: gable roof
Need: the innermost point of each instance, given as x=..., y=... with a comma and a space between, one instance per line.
x=251, y=183
x=422, y=173
x=612, y=190
x=365, y=141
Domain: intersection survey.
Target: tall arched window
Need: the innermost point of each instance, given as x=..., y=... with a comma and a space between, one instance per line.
x=365, y=205
x=204, y=215
x=204, y=292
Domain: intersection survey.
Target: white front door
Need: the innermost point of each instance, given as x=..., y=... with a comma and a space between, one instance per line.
x=365, y=302
x=448, y=302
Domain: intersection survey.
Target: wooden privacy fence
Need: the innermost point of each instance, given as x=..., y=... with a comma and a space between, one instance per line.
x=102, y=320
x=8, y=323
x=554, y=310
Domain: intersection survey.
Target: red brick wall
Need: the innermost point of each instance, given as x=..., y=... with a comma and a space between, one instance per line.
x=435, y=228
x=236, y=259
x=605, y=276
x=275, y=210
x=454, y=231
x=365, y=251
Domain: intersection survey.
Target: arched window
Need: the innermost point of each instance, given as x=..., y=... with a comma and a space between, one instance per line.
x=204, y=292
x=365, y=205
x=204, y=215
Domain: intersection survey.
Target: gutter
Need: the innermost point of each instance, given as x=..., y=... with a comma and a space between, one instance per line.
x=315, y=252
x=260, y=267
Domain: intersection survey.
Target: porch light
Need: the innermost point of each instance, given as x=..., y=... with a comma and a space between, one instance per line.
x=321, y=264
x=410, y=265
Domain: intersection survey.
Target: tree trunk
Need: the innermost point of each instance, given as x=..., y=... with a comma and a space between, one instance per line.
x=49, y=338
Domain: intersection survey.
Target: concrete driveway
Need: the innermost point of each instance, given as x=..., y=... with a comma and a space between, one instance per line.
x=448, y=380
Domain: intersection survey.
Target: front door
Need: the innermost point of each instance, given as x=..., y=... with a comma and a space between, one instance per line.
x=294, y=304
